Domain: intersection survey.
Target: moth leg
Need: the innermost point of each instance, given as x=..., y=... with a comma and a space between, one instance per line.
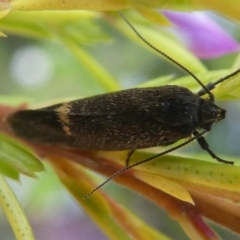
x=204, y=145
x=128, y=157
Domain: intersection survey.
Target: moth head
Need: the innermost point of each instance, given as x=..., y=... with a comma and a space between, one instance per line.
x=210, y=113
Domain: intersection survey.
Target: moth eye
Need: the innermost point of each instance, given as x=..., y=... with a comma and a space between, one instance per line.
x=186, y=110
x=166, y=105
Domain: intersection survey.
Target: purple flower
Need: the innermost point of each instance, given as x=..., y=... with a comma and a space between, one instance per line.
x=205, y=38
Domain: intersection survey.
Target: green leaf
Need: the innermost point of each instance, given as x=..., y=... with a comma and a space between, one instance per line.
x=156, y=82
x=8, y=171
x=46, y=24
x=166, y=185
x=161, y=40
x=189, y=170
x=115, y=220
x=18, y=157
x=14, y=100
x=14, y=213
x=228, y=90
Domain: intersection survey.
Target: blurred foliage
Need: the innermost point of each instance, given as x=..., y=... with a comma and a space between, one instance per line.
x=86, y=59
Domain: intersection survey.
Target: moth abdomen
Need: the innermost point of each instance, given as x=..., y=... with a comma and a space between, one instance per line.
x=37, y=125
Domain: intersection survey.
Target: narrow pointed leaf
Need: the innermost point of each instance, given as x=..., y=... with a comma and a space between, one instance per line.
x=19, y=158
x=14, y=213
x=166, y=185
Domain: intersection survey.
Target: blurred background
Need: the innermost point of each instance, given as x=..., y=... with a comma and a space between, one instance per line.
x=39, y=71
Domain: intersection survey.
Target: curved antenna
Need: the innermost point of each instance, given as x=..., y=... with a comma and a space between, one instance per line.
x=141, y=162
x=211, y=96
x=226, y=77
x=211, y=86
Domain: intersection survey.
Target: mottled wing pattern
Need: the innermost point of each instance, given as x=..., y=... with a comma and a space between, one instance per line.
x=124, y=120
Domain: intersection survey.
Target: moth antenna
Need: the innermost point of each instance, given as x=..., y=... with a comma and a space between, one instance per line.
x=141, y=162
x=225, y=78
x=211, y=96
x=211, y=86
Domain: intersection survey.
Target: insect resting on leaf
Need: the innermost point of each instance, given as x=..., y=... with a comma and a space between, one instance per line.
x=126, y=120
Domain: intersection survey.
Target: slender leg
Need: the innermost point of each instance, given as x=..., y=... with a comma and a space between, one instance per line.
x=128, y=157
x=204, y=145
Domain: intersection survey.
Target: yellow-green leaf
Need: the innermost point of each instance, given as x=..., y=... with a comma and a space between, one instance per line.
x=18, y=157
x=14, y=212
x=97, y=5
x=162, y=41
x=115, y=220
x=209, y=174
x=166, y=185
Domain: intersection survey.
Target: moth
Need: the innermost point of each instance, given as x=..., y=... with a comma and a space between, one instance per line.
x=126, y=120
